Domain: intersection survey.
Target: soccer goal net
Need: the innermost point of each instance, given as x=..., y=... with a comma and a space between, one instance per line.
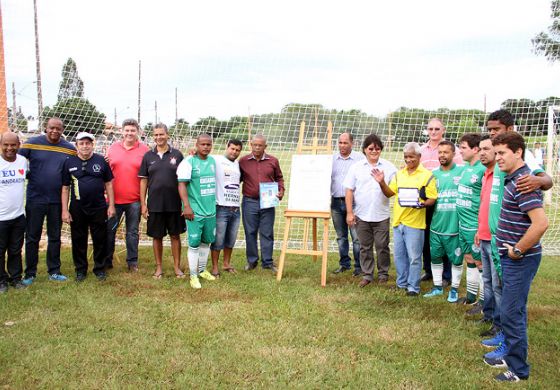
x=537, y=121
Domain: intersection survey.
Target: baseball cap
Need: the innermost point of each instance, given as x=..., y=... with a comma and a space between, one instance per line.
x=85, y=134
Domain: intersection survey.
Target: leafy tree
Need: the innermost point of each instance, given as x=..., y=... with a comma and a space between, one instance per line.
x=548, y=44
x=71, y=85
x=180, y=129
x=20, y=122
x=77, y=114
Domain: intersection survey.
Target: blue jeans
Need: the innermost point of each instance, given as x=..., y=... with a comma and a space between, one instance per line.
x=257, y=221
x=408, y=245
x=517, y=278
x=227, y=225
x=338, y=211
x=35, y=214
x=131, y=213
x=492, y=285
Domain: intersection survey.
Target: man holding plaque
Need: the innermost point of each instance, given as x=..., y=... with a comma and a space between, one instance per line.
x=263, y=188
x=415, y=189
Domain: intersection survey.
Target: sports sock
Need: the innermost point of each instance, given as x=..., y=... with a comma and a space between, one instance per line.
x=472, y=282
x=456, y=274
x=192, y=256
x=203, y=252
x=480, y=288
x=437, y=273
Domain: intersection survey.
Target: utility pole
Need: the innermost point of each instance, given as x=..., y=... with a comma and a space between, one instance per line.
x=3, y=96
x=139, y=87
x=14, y=115
x=155, y=108
x=38, y=65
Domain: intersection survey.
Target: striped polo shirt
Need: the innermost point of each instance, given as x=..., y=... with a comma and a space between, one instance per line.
x=514, y=219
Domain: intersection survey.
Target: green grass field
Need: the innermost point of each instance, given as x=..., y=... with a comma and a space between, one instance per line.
x=249, y=331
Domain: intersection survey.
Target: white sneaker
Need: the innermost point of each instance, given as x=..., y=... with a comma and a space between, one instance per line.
x=195, y=283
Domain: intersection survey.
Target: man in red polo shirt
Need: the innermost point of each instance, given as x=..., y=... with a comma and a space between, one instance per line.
x=124, y=158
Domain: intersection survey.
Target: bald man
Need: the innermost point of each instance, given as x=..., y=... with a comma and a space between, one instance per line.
x=256, y=168
x=13, y=169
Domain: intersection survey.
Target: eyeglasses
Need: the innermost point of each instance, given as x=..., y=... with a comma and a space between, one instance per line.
x=374, y=149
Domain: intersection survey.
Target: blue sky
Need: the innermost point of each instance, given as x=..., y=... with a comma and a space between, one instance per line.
x=234, y=58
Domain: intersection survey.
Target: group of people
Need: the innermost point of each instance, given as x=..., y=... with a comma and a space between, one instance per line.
x=95, y=193
x=480, y=202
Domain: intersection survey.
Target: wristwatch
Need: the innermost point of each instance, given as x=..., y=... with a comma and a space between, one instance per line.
x=517, y=252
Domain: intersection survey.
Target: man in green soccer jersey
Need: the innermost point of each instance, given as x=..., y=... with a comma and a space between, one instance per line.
x=468, y=203
x=197, y=188
x=444, y=228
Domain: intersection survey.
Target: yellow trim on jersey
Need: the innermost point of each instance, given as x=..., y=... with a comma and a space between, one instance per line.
x=47, y=148
x=76, y=186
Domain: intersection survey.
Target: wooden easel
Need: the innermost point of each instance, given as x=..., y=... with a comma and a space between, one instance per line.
x=308, y=216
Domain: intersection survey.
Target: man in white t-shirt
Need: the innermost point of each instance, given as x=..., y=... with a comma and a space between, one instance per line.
x=13, y=170
x=228, y=200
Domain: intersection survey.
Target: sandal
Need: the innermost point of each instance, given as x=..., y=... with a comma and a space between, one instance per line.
x=180, y=276
x=231, y=270
x=215, y=274
x=158, y=276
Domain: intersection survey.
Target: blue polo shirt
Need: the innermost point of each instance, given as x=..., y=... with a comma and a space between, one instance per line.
x=44, y=180
x=514, y=220
x=87, y=179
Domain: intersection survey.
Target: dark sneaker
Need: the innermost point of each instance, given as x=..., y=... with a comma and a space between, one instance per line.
x=80, y=277
x=3, y=288
x=357, y=272
x=272, y=268
x=340, y=270
x=250, y=266
x=101, y=276
x=497, y=363
x=490, y=332
x=475, y=310
x=19, y=285
x=508, y=376
x=411, y=294
x=133, y=268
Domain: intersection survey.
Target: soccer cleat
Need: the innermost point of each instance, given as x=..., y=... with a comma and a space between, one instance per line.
x=58, y=278
x=475, y=310
x=28, y=281
x=19, y=285
x=206, y=275
x=80, y=277
x=498, y=353
x=3, y=287
x=497, y=363
x=434, y=293
x=495, y=341
x=508, y=376
x=195, y=283
x=453, y=295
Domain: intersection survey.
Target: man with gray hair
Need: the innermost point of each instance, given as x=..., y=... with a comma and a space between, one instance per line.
x=414, y=188
x=258, y=168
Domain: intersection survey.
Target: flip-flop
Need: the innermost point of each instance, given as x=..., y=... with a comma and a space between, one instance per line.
x=231, y=270
x=215, y=274
x=180, y=276
x=157, y=276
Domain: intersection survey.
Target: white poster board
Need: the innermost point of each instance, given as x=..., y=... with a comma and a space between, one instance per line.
x=310, y=183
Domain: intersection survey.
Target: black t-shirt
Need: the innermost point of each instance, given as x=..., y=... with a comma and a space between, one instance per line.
x=161, y=172
x=87, y=179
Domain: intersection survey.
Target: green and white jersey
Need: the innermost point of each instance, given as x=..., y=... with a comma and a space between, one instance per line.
x=468, y=199
x=497, y=193
x=445, y=220
x=201, y=189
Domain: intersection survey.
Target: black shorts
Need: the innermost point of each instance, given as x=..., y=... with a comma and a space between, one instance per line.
x=161, y=224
